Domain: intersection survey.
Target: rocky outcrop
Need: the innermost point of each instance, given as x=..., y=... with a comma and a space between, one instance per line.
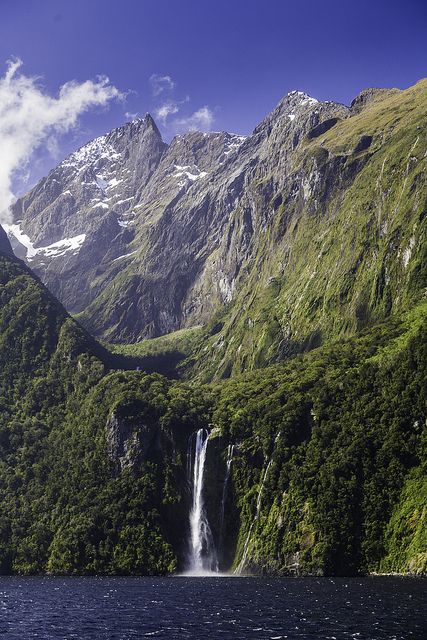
x=368, y=95
x=5, y=246
x=130, y=441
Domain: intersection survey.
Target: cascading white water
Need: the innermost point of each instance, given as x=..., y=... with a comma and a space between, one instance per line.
x=202, y=552
x=242, y=562
x=230, y=452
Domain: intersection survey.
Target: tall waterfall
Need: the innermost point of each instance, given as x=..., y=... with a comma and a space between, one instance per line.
x=202, y=552
x=230, y=452
x=242, y=562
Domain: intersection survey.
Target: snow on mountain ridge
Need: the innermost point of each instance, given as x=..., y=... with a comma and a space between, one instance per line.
x=90, y=152
x=56, y=249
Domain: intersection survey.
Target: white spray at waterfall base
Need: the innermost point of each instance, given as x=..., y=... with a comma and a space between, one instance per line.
x=202, y=553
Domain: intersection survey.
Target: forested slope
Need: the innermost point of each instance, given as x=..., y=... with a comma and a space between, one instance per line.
x=93, y=460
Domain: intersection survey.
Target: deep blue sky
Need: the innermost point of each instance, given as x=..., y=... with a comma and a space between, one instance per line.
x=239, y=57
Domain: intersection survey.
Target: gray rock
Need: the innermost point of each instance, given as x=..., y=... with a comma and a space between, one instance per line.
x=159, y=237
x=5, y=247
x=129, y=441
x=368, y=95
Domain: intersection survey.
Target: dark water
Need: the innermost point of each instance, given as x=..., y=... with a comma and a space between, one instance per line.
x=198, y=608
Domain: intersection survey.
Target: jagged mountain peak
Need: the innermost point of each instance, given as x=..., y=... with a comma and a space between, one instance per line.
x=300, y=96
x=299, y=112
x=101, y=177
x=107, y=146
x=137, y=126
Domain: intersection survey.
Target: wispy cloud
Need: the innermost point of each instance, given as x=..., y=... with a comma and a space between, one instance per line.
x=165, y=110
x=200, y=120
x=30, y=117
x=159, y=84
x=131, y=115
x=168, y=105
x=169, y=108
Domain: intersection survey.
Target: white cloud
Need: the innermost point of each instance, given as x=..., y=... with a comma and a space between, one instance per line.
x=131, y=115
x=165, y=110
x=30, y=117
x=160, y=84
x=200, y=120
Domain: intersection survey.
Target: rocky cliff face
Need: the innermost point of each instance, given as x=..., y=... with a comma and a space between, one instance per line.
x=83, y=225
x=309, y=228
x=345, y=241
x=5, y=246
x=128, y=214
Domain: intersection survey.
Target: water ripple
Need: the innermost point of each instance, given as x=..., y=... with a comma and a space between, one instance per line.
x=245, y=608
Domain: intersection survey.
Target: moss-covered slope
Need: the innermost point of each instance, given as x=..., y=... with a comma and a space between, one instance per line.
x=93, y=461
x=345, y=245
x=336, y=440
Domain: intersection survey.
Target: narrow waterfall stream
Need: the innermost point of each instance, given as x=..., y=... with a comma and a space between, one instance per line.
x=230, y=452
x=202, y=553
x=242, y=562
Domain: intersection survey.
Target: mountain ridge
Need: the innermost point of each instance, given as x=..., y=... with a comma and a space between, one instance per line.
x=215, y=208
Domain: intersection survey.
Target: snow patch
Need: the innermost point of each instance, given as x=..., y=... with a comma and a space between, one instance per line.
x=408, y=252
x=310, y=101
x=61, y=247
x=103, y=205
x=306, y=99
x=113, y=183
x=234, y=143
x=55, y=249
x=189, y=172
x=89, y=153
x=101, y=182
x=126, y=255
x=14, y=231
x=125, y=200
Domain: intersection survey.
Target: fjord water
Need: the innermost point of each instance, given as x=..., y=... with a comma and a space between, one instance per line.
x=245, y=608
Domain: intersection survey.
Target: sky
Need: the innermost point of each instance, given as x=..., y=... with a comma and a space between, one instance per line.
x=207, y=64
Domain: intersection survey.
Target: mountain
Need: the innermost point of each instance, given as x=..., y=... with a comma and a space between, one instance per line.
x=313, y=466
x=307, y=230
x=85, y=219
x=284, y=275
x=345, y=242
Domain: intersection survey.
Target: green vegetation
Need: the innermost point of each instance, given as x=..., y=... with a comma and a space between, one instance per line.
x=181, y=341
x=315, y=372
x=349, y=251
x=92, y=462
x=343, y=430
x=68, y=504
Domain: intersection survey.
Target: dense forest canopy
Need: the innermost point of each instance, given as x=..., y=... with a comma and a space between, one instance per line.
x=93, y=457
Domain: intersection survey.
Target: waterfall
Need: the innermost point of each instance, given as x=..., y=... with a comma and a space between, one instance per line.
x=230, y=452
x=242, y=562
x=202, y=552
